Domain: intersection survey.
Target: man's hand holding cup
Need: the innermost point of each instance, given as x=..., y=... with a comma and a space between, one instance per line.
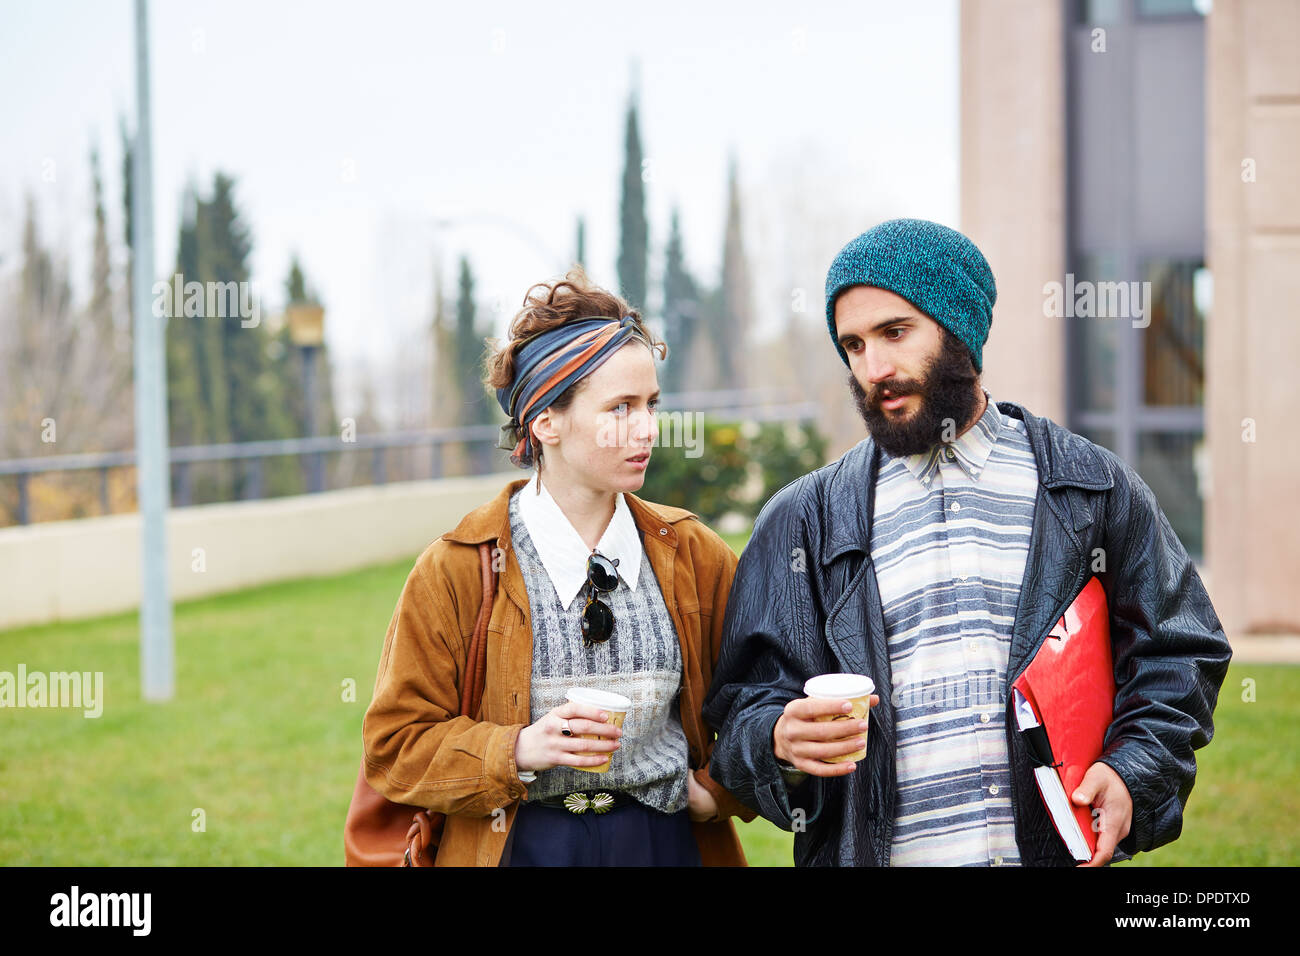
x=825, y=733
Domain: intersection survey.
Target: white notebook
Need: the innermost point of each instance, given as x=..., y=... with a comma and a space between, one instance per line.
x=1049, y=784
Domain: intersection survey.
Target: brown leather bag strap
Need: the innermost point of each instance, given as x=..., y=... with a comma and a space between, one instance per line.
x=372, y=833
x=426, y=828
x=471, y=692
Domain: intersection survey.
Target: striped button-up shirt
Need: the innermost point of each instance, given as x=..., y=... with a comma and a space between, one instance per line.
x=950, y=536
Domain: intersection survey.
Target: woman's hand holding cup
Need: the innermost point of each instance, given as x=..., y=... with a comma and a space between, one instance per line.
x=543, y=745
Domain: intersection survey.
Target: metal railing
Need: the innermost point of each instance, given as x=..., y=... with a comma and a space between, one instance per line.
x=756, y=405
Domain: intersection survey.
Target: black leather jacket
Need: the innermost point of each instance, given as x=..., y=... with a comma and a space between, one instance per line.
x=805, y=602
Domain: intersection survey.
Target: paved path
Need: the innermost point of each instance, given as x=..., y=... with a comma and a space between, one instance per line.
x=1266, y=649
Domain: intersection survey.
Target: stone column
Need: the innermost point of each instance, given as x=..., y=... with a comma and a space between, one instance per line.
x=1013, y=187
x=1252, y=522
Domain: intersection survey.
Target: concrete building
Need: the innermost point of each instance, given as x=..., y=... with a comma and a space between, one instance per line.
x=1129, y=167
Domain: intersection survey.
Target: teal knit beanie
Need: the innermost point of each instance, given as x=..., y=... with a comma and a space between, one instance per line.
x=935, y=268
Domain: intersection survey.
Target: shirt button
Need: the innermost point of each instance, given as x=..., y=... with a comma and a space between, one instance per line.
x=997, y=861
x=956, y=506
x=993, y=789
x=663, y=530
x=948, y=455
x=984, y=718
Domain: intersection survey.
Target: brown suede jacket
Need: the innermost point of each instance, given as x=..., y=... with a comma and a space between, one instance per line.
x=418, y=751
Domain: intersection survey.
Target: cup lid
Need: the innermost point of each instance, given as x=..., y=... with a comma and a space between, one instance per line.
x=831, y=686
x=598, y=698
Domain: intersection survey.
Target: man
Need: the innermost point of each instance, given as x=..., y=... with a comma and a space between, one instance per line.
x=934, y=557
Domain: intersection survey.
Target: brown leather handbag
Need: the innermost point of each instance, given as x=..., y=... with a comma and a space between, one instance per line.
x=379, y=832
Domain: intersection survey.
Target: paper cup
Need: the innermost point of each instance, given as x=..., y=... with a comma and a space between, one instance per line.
x=616, y=705
x=856, y=689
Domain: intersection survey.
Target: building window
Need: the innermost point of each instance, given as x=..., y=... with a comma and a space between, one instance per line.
x=1135, y=362
x=1173, y=465
x=1101, y=13
x=1138, y=380
x=1173, y=348
x=1172, y=8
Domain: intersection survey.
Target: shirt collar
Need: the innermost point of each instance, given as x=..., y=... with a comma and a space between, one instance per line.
x=560, y=547
x=970, y=450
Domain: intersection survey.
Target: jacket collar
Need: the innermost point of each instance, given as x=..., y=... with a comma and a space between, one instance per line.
x=1064, y=459
x=491, y=521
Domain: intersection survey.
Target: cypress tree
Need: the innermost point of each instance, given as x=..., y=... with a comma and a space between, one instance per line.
x=634, y=231
x=101, y=293
x=446, y=377
x=186, y=411
x=469, y=344
x=733, y=310
x=128, y=220
x=226, y=385
x=681, y=311
x=110, y=379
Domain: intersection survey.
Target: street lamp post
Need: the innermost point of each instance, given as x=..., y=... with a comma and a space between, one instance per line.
x=307, y=332
x=157, y=660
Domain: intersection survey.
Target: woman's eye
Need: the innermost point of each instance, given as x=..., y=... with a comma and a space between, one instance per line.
x=654, y=405
x=620, y=408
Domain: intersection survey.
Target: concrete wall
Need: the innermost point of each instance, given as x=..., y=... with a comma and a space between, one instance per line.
x=62, y=570
x=1253, y=332
x=1013, y=188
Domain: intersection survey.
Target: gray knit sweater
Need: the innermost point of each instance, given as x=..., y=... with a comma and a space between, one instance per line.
x=641, y=661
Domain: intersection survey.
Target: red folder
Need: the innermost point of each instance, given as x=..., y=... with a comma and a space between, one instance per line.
x=1070, y=685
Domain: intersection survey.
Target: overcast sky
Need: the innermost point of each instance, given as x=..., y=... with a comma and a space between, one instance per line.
x=375, y=139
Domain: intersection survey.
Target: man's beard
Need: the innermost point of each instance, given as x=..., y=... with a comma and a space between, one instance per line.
x=947, y=400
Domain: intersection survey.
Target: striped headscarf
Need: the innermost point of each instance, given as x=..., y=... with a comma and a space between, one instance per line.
x=548, y=364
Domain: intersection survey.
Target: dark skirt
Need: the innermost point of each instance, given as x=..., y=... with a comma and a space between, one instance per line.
x=631, y=835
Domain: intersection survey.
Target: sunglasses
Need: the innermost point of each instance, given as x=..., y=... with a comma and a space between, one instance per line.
x=597, y=618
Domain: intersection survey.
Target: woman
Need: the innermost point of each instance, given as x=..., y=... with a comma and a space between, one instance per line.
x=597, y=589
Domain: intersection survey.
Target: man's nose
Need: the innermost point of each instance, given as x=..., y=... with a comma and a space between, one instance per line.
x=877, y=366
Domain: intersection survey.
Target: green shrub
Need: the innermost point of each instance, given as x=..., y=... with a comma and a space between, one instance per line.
x=733, y=467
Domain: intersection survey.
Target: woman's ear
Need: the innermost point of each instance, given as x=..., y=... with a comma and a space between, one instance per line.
x=546, y=429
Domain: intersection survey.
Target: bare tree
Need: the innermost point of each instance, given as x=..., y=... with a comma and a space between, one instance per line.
x=64, y=373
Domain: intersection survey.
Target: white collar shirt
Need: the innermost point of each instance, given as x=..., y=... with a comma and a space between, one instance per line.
x=561, y=549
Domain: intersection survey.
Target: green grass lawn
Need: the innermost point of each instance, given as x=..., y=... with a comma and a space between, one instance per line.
x=261, y=739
